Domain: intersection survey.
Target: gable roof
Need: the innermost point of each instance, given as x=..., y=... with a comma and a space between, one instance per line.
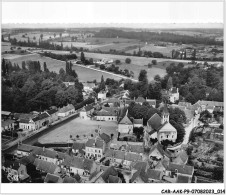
x=95, y=143
x=79, y=146
x=183, y=179
x=211, y=103
x=182, y=157
x=67, y=108
x=154, y=174
x=155, y=121
x=28, y=148
x=140, y=165
x=113, y=100
x=45, y=166
x=140, y=99
x=140, y=173
x=52, y=111
x=7, y=113
x=129, y=156
x=105, y=137
x=125, y=120
x=68, y=179
x=40, y=117
x=138, y=121
x=106, y=113
x=183, y=169
x=113, y=179
x=186, y=104
x=28, y=159
x=7, y=122
x=87, y=108
x=167, y=127
x=13, y=164
x=109, y=171
x=51, y=178
x=159, y=147
x=136, y=148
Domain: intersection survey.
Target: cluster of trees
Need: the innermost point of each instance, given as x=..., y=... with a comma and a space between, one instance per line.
x=29, y=88
x=195, y=83
x=155, y=36
x=116, y=70
x=144, y=53
x=63, y=57
x=143, y=87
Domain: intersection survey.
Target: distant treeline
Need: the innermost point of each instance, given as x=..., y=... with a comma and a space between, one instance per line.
x=60, y=56
x=155, y=36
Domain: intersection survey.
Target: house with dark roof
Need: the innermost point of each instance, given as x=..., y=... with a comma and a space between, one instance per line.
x=113, y=102
x=78, y=148
x=125, y=125
x=68, y=179
x=179, y=173
x=202, y=105
x=105, y=137
x=66, y=111
x=53, y=115
x=25, y=150
x=157, y=153
x=34, y=122
x=86, y=112
x=109, y=175
x=95, y=148
x=7, y=125
x=52, y=178
x=6, y=115
x=138, y=123
x=107, y=114
x=45, y=166
x=16, y=171
x=77, y=165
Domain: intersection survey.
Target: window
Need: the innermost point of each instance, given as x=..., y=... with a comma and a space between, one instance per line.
x=167, y=136
x=99, y=151
x=109, y=119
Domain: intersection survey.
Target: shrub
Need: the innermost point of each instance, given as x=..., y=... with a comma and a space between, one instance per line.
x=128, y=61
x=154, y=62
x=117, y=61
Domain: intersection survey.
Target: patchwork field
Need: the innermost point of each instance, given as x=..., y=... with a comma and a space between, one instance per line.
x=31, y=35
x=78, y=127
x=166, y=51
x=55, y=65
x=151, y=72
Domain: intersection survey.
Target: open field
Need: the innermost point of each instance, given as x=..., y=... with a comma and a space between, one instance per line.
x=151, y=72
x=166, y=51
x=55, y=65
x=78, y=127
x=31, y=35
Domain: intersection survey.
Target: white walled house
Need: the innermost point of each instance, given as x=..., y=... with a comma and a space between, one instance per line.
x=86, y=112
x=167, y=132
x=138, y=123
x=30, y=124
x=125, y=125
x=66, y=111
x=102, y=95
x=173, y=94
x=107, y=114
x=95, y=148
x=53, y=115
x=7, y=125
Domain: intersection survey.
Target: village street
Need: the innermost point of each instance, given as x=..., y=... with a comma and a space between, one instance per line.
x=188, y=129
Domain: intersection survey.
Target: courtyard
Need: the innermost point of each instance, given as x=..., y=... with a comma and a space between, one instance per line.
x=78, y=127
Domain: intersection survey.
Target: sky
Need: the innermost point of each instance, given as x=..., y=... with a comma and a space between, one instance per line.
x=112, y=12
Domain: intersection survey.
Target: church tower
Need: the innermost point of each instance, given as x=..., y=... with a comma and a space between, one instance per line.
x=165, y=114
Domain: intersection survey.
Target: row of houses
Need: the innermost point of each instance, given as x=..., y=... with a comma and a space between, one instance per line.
x=35, y=120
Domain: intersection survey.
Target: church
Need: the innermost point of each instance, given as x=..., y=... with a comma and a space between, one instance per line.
x=160, y=127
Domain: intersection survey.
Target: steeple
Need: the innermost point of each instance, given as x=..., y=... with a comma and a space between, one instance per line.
x=165, y=114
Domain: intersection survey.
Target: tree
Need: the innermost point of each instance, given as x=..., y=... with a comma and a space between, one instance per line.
x=102, y=83
x=41, y=36
x=143, y=75
x=45, y=67
x=157, y=78
x=117, y=62
x=180, y=131
x=149, y=65
x=82, y=57
x=3, y=67
x=205, y=116
x=127, y=60
x=24, y=65
x=154, y=62
x=169, y=83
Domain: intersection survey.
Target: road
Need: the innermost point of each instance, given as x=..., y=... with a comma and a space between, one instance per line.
x=117, y=75
x=188, y=129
